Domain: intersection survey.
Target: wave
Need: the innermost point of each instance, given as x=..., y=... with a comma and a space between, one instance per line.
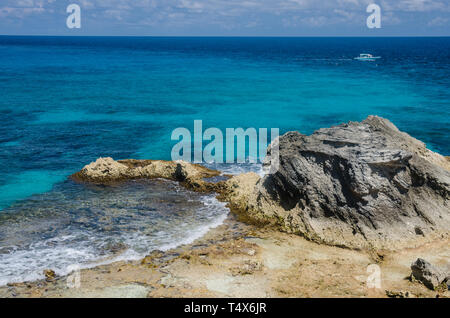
x=120, y=224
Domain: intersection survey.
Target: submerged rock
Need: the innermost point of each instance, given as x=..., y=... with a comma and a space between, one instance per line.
x=428, y=274
x=361, y=185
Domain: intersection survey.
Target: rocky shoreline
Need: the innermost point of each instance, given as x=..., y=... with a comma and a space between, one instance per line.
x=241, y=260
x=360, y=185
x=342, y=199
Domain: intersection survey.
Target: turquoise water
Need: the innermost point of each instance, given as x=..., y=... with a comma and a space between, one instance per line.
x=66, y=101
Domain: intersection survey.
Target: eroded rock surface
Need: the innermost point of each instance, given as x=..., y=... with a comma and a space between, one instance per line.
x=361, y=185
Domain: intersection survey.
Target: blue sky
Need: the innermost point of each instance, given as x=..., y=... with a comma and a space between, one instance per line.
x=226, y=17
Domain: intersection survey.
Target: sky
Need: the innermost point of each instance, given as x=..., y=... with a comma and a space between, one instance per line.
x=226, y=17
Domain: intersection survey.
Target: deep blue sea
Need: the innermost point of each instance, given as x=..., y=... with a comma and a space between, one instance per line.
x=66, y=101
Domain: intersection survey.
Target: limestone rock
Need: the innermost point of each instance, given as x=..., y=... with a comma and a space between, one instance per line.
x=104, y=169
x=239, y=191
x=361, y=185
x=248, y=268
x=426, y=273
x=107, y=170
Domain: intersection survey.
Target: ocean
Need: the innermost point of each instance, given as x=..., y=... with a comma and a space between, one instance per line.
x=66, y=101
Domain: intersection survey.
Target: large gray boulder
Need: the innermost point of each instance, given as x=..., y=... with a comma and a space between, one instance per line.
x=429, y=275
x=361, y=185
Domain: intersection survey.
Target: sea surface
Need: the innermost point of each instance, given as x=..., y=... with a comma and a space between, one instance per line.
x=66, y=101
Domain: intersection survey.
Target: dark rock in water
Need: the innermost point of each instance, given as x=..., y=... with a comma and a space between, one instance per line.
x=50, y=275
x=426, y=273
x=361, y=184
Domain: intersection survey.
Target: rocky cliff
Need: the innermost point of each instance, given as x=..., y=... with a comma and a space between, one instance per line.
x=361, y=185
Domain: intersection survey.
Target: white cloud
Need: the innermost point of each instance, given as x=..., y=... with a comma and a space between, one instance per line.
x=118, y=15
x=347, y=15
x=25, y=3
x=438, y=21
x=86, y=4
x=420, y=5
x=315, y=21
x=19, y=12
x=389, y=19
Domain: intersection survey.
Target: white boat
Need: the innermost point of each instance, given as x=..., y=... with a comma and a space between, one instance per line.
x=367, y=57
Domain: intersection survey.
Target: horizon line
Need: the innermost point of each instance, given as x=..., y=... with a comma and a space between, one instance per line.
x=234, y=36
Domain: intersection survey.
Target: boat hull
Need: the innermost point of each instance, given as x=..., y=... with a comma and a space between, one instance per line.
x=368, y=59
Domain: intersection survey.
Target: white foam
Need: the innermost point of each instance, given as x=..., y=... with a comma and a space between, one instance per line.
x=211, y=202
x=238, y=168
x=29, y=264
x=60, y=253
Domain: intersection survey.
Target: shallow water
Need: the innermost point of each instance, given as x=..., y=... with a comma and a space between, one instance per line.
x=75, y=224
